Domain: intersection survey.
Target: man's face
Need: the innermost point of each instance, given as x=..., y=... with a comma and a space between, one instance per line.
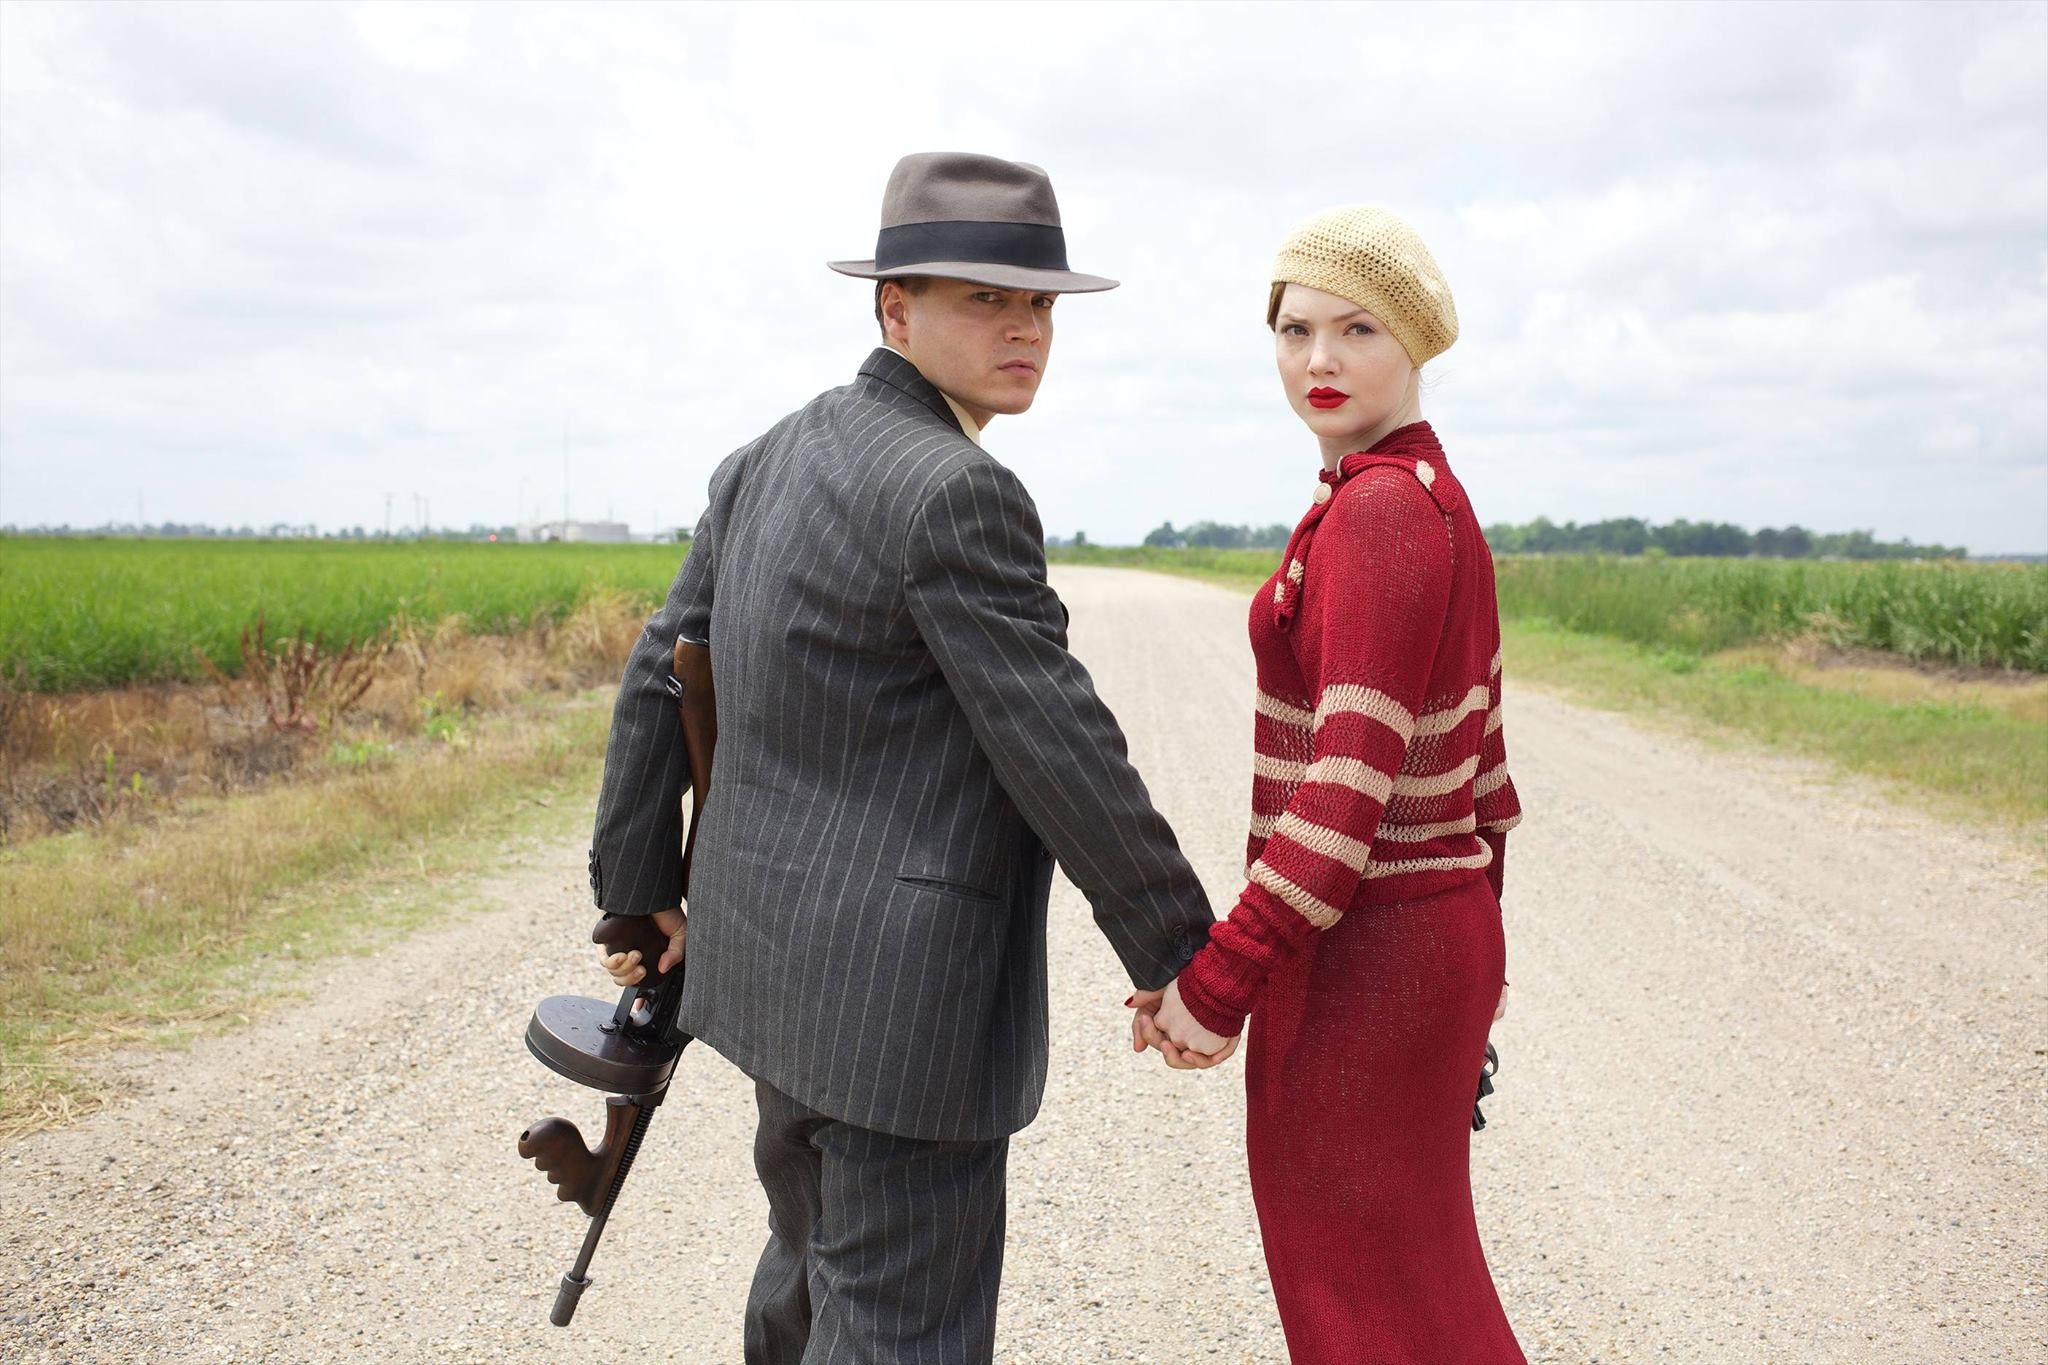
x=985, y=346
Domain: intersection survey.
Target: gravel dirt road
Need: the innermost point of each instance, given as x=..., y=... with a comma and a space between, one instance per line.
x=1773, y=1091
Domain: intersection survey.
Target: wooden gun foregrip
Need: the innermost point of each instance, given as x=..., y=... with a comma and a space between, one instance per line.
x=581, y=1176
x=698, y=706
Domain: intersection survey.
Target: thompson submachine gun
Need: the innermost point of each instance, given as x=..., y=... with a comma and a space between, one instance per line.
x=628, y=1050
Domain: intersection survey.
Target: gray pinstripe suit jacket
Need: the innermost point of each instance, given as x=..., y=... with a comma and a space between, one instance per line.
x=902, y=738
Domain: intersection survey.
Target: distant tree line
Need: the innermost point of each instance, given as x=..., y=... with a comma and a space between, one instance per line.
x=1633, y=536
x=1619, y=536
x=1214, y=535
x=277, y=530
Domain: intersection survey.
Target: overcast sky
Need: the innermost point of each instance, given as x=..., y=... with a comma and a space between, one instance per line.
x=1762, y=263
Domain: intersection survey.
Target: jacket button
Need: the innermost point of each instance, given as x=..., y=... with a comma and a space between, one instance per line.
x=1322, y=492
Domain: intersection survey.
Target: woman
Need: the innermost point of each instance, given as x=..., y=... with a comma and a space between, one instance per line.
x=1368, y=938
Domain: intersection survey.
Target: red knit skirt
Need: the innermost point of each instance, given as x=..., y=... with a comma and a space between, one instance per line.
x=1363, y=1059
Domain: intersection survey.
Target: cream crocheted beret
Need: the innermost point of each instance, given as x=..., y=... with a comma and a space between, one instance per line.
x=1369, y=256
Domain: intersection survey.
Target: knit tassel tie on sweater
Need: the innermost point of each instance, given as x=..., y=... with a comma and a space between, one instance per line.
x=1401, y=449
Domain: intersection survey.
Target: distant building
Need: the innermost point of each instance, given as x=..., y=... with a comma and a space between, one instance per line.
x=593, y=532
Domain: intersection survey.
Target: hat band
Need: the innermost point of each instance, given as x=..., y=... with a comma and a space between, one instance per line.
x=1034, y=246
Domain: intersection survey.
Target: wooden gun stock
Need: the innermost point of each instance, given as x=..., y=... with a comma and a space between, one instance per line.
x=697, y=703
x=581, y=1176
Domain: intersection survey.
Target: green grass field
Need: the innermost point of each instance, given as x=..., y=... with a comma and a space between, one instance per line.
x=101, y=613
x=1990, y=615
x=1984, y=615
x=97, y=613
x=1668, y=639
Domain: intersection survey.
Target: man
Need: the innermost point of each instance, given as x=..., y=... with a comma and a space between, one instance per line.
x=905, y=746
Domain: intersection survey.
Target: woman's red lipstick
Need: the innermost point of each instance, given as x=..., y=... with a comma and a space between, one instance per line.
x=1327, y=398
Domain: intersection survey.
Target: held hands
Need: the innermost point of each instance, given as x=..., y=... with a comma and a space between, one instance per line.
x=1163, y=1022
x=626, y=969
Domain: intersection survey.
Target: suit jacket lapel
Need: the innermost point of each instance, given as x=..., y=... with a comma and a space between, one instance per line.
x=885, y=367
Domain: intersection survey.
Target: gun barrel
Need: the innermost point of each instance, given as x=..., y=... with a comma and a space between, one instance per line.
x=578, y=1278
x=565, y=1300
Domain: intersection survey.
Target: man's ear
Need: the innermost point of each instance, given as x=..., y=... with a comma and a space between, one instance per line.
x=895, y=309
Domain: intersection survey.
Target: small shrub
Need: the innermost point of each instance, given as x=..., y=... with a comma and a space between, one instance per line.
x=360, y=753
x=440, y=721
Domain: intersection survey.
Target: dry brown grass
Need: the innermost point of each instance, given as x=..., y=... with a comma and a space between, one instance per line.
x=302, y=682
x=1887, y=678
x=156, y=841
x=130, y=933
x=90, y=760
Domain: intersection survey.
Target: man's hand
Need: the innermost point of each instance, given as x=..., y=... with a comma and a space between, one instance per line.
x=1146, y=1005
x=626, y=969
x=1501, y=1009
x=1161, y=1021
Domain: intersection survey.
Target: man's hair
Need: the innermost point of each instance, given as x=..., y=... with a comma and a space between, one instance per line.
x=912, y=284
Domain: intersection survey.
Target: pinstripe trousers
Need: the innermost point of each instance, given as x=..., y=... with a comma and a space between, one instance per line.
x=882, y=1250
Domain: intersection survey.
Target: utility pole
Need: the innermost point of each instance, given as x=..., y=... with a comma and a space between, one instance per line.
x=565, y=478
x=387, y=516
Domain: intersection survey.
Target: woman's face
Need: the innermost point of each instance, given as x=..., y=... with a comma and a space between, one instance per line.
x=1346, y=376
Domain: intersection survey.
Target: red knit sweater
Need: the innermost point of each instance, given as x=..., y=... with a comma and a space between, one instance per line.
x=1380, y=772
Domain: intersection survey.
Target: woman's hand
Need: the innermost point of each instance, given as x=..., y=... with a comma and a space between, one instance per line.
x=1501, y=1009
x=1163, y=1022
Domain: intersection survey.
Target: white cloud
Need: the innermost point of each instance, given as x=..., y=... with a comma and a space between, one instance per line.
x=1761, y=263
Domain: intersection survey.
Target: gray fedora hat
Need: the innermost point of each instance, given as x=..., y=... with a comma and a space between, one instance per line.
x=979, y=218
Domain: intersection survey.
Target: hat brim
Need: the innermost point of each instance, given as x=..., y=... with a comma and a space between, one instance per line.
x=981, y=272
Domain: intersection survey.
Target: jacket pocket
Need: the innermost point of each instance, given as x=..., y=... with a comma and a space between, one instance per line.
x=947, y=887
